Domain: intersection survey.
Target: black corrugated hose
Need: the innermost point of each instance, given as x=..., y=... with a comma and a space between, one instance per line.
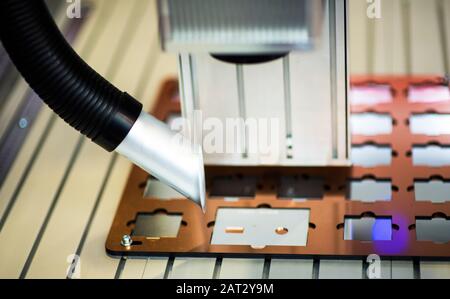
x=74, y=91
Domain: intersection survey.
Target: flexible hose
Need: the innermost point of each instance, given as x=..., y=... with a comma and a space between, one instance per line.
x=70, y=87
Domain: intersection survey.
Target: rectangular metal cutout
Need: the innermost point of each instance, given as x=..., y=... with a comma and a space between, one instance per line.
x=259, y=228
x=156, y=189
x=234, y=187
x=431, y=156
x=368, y=229
x=435, y=230
x=369, y=190
x=430, y=124
x=436, y=191
x=429, y=94
x=157, y=225
x=301, y=188
x=371, y=155
x=371, y=124
x=371, y=94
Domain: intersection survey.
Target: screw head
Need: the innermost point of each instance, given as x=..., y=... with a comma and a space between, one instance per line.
x=23, y=123
x=126, y=241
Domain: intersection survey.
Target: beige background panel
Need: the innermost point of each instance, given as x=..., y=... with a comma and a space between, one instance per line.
x=23, y=159
x=291, y=269
x=388, y=54
x=38, y=192
x=435, y=270
x=12, y=103
x=134, y=269
x=155, y=268
x=37, y=128
x=233, y=268
x=426, y=50
x=358, y=36
x=81, y=189
x=340, y=269
x=193, y=268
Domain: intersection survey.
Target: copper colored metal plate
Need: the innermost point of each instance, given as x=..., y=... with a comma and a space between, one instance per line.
x=327, y=214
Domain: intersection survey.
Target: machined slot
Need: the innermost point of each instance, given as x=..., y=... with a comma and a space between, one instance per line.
x=301, y=188
x=371, y=95
x=428, y=94
x=234, y=187
x=436, y=191
x=431, y=156
x=371, y=155
x=371, y=124
x=368, y=228
x=259, y=228
x=157, y=225
x=369, y=190
x=430, y=124
x=435, y=229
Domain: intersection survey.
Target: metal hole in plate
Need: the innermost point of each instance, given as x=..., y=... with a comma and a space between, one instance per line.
x=432, y=156
x=430, y=124
x=157, y=189
x=259, y=228
x=369, y=190
x=371, y=155
x=368, y=229
x=281, y=230
x=436, y=191
x=371, y=95
x=160, y=225
x=428, y=94
x=300, y=188
x=371, y=124
x=234, y=230
x=234, y=187
x=435, y=230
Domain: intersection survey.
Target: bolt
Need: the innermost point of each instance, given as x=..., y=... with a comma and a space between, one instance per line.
x=126, y=241
x=23, y=123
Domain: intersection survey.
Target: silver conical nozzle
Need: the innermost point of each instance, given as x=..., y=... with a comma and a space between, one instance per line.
x=167, y=155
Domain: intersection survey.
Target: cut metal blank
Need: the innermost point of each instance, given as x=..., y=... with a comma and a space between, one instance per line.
x=259, y=228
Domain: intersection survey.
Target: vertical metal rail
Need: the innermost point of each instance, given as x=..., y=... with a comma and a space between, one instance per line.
x=288, y=107
x=333, y=78
x=242, y=108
